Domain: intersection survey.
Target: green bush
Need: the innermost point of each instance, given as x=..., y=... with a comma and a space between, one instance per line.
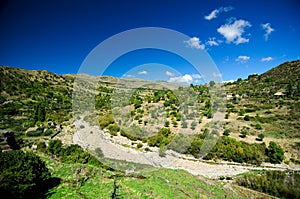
x=113, y=129
x=275, y=153
x=23, y=175
x=247, y=118
x=226, y=132
x=276, y=183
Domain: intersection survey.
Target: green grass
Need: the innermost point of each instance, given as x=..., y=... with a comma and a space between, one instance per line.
x=86, y=181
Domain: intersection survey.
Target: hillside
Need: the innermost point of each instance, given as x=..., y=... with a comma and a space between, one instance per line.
x=160, y=121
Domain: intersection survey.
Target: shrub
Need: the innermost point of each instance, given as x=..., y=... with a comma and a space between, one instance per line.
x=193, y=125
x=113, y=129
x=167, y=123
x=275, y=153
x=184, y=124
x=23, y=175
x=261, y=137
x=247, y=118
x=244, y=133
x=139, y=145
x=226, y=132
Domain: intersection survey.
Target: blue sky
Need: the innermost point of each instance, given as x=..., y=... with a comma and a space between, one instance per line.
x=241, y=36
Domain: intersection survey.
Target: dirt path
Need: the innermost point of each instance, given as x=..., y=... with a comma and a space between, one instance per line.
x=118, y=147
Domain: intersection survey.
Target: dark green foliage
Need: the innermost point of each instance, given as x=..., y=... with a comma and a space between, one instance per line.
x=54, y=147
x=106, y=120
x=162, y=138
x=128, y=135
x=261, y=137
x=231, y=150
x=113, y=129
x=167, y=123
x=22, y=175
x=244, y=133
x=39, y=112
x=72, y=154
x=247, y=118
x=194, y=148
x=40, y=132
x=275, y=153
x=276, y=183
x=226, y=132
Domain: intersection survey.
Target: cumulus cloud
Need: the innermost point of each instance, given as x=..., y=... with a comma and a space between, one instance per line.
x=195, y=42
x=182, y=79
x=168, y=73
x=212, y=42
x=144, y=72
x=267, y=27
x=233, y=31
x=196, y=76
x=266, y=59
x=215, y=13
x=242, y=59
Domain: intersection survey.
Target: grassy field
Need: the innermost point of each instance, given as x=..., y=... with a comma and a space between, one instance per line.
x=86, y=181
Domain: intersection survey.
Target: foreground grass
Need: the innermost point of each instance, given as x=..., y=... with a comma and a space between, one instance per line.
x=86, y=181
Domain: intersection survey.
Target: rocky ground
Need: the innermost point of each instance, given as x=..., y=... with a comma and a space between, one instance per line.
x=120, y=148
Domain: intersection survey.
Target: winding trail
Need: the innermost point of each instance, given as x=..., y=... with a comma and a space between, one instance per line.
x=119, y=148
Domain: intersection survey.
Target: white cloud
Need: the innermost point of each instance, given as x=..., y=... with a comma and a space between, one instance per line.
x=217, y=74
x=143, y=72
x=265, y=59
x=228, y=81
x=216, y=12
x=212, y=42
x=168, y=73
x=195, y=42
x=242, y=59
x=212, y=15
x=196, y=76
x=128, y=76
x=233, y=31
x=267, y=27
x=182, y=79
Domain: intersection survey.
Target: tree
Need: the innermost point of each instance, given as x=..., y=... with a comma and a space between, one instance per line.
x=226, y=132
x=275, y=153
x=261, y=137
x=54, y=146
x=212, y=83
x=244, y=134
x=167, y=123
x=22, y=175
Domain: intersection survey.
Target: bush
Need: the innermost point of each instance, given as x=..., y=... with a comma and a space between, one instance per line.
x=226, y=132
x=276, y=183
x=113, y=129
x=54, y=147
x=35, y=133
x=184, y=124
x=23, y=175
x=261, y=137
x=275, y=153
x=247, y=118
x=244, y=133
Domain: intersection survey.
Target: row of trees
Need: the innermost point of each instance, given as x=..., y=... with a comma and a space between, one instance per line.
x=276, y=183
